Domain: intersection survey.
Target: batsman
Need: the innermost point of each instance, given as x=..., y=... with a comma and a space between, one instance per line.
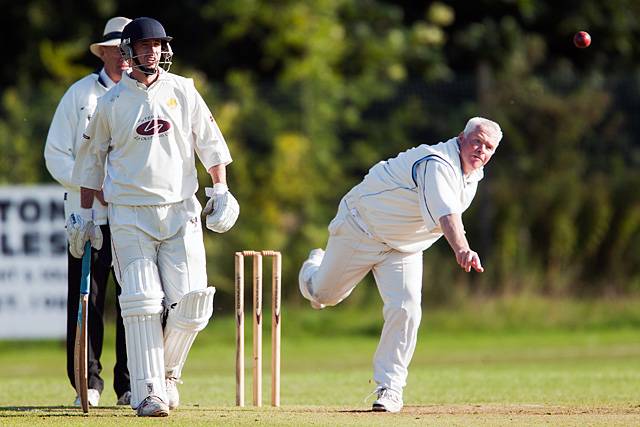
x=146, y=133
x=384, y=224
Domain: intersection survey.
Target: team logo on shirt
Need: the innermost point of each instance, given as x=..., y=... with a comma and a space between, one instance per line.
x=172, y=103
x=150, y=127
x=154, y=126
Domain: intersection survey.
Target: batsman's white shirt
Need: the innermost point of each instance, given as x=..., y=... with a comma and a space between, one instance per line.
x=401, y=200
x=148, y=137
x=65, y=133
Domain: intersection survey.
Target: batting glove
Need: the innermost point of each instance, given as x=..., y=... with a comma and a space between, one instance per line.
x=222, y=208
x=80, y=228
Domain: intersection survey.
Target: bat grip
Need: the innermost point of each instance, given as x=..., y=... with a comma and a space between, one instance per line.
x=85, y=279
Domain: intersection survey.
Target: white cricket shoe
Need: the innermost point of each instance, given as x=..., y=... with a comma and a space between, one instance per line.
x=152, y=406
x=93, y=397
x=125, y=399
x=171, y=384
x=388, y=401
x=304, y=278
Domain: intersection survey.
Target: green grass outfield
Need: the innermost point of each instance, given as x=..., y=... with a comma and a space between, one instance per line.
x=507, y=362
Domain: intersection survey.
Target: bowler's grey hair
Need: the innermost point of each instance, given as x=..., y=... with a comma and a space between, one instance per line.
x=491, y=127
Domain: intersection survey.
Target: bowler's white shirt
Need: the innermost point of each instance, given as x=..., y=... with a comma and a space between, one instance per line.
x=148, y=138
x=401, y=200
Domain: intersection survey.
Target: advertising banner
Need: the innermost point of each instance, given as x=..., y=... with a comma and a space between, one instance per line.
x=33, y=262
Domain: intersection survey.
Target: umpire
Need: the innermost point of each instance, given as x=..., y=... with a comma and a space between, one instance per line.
x=69, y=121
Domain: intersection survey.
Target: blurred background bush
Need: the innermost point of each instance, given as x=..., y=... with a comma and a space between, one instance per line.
x=310, y=94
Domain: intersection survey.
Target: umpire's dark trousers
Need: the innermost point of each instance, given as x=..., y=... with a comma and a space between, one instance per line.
x=100, y=269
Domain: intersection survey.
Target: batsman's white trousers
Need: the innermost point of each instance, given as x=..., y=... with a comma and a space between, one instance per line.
x=168, y=235
x=159, y=257
x=350, y=254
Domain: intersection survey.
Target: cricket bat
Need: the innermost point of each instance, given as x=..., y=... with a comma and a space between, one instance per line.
x=80, y=349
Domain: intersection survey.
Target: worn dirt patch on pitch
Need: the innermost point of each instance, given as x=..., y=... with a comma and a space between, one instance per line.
x=512, y=410
x=519, y=410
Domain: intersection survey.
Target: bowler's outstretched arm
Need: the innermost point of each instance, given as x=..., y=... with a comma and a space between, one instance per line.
x=454, y=232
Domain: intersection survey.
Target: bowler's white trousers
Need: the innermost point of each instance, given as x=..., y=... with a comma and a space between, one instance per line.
x=350, y=254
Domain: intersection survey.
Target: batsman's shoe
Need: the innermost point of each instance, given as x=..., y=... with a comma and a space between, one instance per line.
x=93, y=397
x=388, y=401
x=152, y=406
x=172, y=392
x=304, y=278
x=125, y=399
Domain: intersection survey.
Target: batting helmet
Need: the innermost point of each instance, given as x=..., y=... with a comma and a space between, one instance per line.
x=145, y=29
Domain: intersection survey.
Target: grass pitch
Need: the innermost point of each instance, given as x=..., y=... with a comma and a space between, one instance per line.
x=494, y=363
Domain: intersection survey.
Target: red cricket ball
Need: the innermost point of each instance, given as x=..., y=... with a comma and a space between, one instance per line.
x=582, y=39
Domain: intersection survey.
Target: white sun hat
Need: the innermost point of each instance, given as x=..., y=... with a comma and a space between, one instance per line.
x=111, y=35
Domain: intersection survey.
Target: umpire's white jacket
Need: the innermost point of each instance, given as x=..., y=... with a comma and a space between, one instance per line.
x=65, y=133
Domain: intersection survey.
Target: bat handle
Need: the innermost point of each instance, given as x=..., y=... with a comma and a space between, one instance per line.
x=86, y=269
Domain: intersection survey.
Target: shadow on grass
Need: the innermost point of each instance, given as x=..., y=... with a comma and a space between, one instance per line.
x=62, y=411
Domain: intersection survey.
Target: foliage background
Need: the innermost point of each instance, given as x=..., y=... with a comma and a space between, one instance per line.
x=310, y=94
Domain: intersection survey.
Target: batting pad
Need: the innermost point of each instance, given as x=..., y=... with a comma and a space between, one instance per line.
x=141, y=304
x=188, y=317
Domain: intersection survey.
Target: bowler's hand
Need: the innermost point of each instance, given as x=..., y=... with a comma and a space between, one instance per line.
x=222, y=208
x=468, y=259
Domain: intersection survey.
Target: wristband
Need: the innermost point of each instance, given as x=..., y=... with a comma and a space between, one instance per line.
x=86, y=214
x=217, y=189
